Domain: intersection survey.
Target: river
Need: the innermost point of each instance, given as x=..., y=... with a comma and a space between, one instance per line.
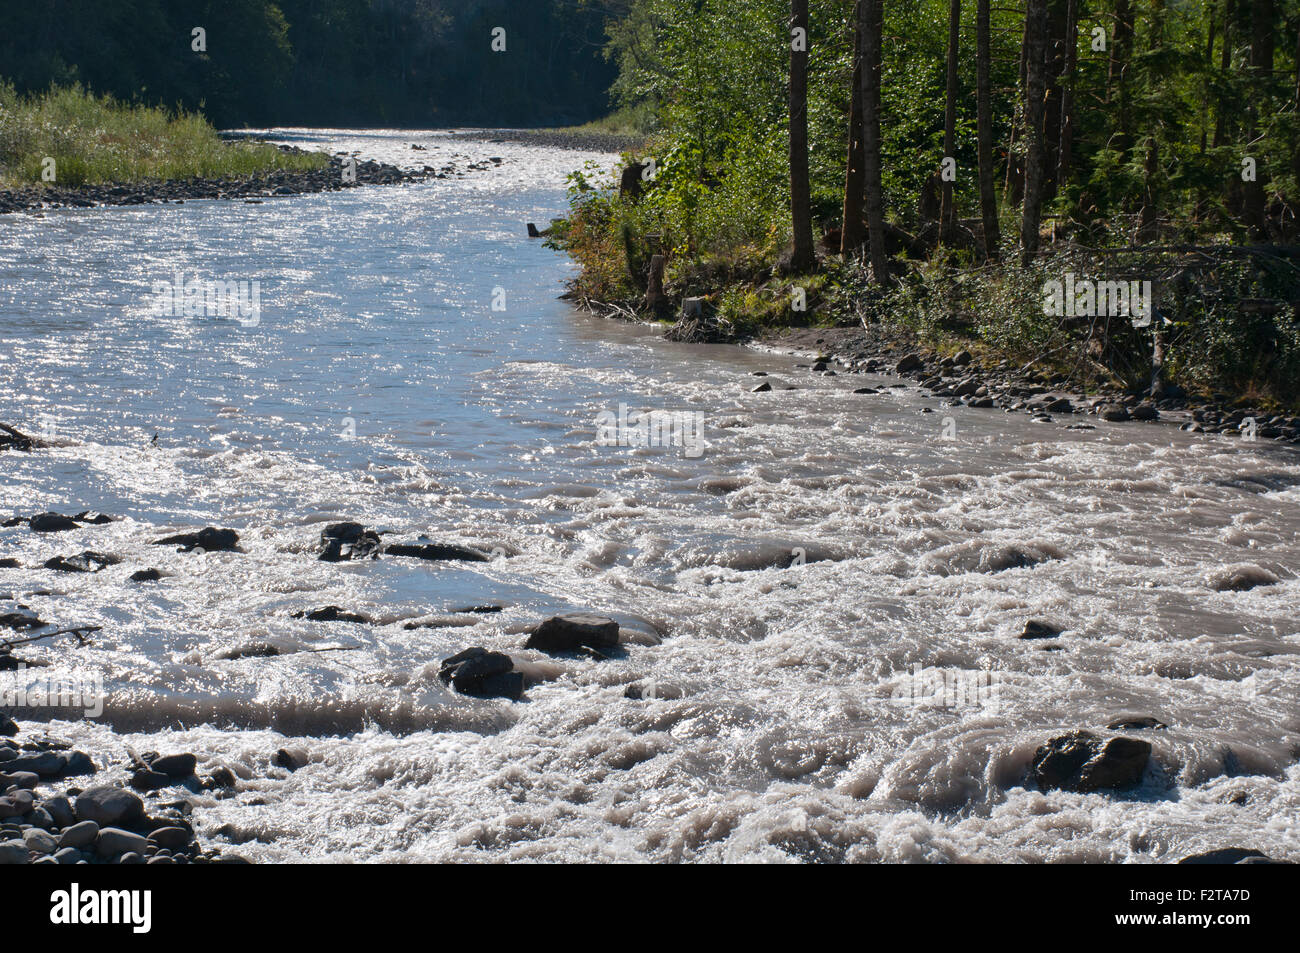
x=817, y=562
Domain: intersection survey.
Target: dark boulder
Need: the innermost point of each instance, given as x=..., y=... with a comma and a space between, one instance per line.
x=1037, y=629
x=1082, y=762
x=1135, y=722
x=331, y=614
x=52, y=523
x=53, y=764
x=437, y=551
x=210, y=540
x=476, y=671
x=21, y=618
x=1116, y=413
x=574, y=631
x=1229, y=855
x=82, y=562
x=341, y=542
x=92, y=518
x=109, y=805
x=174, y=765
x=912, y=362
x=146, y=575
x=291, y=759
x=146, y=780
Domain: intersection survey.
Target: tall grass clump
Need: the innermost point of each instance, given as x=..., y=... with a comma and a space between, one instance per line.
x=97, y=140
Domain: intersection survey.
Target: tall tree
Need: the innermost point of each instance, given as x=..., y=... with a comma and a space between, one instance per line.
x=871, y=24
x=1117, y=90
x=1035, y=92
x=984, y=131
x=803, y=257
x=1261, y=68
x=851, y=226
x=1065, y=150
x=947, y=215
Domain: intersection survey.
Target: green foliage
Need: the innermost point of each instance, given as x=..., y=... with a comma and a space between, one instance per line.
x=95, y=140
x=366, y=63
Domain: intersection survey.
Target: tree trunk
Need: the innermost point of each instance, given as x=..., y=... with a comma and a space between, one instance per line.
x=1117, y=79
x=1211, y=26
x=851, y=226
x=804, y=257
x=984, y=132
x=871, y=23
x=1013, y=187
x=1149, y=217
x=1261, y=68
x=1225, y=64
x=947, y=215
x=1067, y=92
x=1035, y=90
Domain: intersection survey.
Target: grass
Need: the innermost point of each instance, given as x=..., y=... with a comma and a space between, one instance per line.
x=96, y=140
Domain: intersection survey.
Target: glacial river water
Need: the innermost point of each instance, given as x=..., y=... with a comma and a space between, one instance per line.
x=819, y=567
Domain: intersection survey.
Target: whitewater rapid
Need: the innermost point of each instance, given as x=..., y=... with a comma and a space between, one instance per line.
x=825, y=554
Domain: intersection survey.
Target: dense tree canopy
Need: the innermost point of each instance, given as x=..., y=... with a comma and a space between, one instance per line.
x=322, y=62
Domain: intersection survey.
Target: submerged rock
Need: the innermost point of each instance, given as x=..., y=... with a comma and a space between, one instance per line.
x=1037, y=629
x=82, y=562
x=291, y=759
x=1230, y=855
x=1132, y=721
x=437, y=551
x=331, y=614
x=568, y=633
x=209, y=539
x=21, y=618
x=341, y=542
x=476, y=671
x=52, y=523
x=1240, y=577
x=11, y=439
x=1082, y=762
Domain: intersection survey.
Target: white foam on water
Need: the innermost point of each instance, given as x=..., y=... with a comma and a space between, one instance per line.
x=826, y=553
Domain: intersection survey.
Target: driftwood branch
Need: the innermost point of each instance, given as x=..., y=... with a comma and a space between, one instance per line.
x=80, y=631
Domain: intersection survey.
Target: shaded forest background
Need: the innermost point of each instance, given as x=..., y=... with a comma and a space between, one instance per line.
x=365, y=63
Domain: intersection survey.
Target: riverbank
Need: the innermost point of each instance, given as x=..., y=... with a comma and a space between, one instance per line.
x=957, y=378
x=335, y=175
x=575, y=139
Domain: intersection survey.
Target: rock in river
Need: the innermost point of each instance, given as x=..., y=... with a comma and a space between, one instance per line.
x=209, y=539
x=82, y=562
x=341, y=542
x=1080, y=761
x=108, y=805
x=437, y=551
x=52, y=523
x=476, y=671
x=568, y=633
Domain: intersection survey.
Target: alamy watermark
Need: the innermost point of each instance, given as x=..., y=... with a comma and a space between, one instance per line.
x=197, y=297
x=64, y=694
x=940, y=688
x=652, y=428
x=1086, y=298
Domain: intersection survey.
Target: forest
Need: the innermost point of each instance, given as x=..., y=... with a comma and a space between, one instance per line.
x=931, y=166
x=371, y=63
